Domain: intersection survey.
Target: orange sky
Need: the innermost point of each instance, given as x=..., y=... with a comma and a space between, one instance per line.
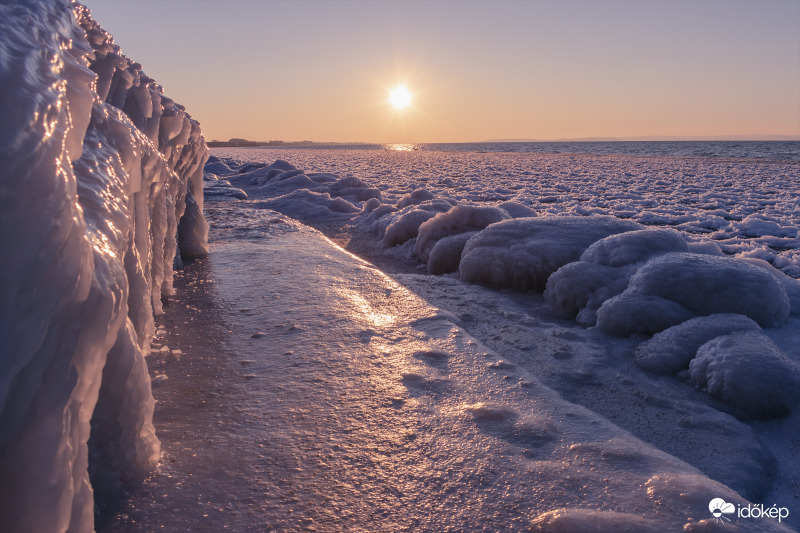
x=322, y=70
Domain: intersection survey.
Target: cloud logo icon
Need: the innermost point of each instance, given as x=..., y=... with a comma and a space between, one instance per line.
x=719, y=508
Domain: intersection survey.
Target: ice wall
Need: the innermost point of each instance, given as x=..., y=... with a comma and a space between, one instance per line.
x=98, y=169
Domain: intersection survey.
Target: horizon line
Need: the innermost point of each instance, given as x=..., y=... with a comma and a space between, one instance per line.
x=643, y=138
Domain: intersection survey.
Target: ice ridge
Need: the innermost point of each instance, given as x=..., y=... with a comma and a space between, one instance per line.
x=100, y=190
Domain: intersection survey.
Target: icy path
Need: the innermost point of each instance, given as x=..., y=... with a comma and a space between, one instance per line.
x=306, y=390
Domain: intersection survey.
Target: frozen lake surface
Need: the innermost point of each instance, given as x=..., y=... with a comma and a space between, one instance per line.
x=411, y=401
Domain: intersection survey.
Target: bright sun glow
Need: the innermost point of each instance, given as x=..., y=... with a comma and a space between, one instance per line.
x=400, y=98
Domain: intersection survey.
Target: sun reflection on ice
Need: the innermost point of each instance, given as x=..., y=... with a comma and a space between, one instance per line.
x=369, y=312
x=402, y=147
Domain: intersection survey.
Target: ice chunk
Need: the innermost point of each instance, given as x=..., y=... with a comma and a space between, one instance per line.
x=574, y=519
x=415, y=197
x=517, y=210
x=459, y=219
x=759, y=225
x=215, y=166
x=260, y=174
x=304, y=204
x=352, y=189
x=403, y=225
x=581, y=287
x=370, y=205
x=633, y=313
x=748, y=371
x=707, y=285
x=634, y=247
x=522, y=253
x=671, y=350
x=789, y=284
x=446, y=253
x=214, y=188
x=705, y=247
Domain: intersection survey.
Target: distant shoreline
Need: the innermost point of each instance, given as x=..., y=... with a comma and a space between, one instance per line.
x=243, y=143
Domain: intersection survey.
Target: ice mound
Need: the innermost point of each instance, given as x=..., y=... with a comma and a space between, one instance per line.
x=582, y=287
x=403, y=225
x=102, y=176
x=748, y=371
x=215, y=166
x=518, y=210
x=708, y=285
x=351, y=189
x=259, y=174
x=644, y=281
x=705, y=247
x=304, y=204
x=631, y=313
x=634, y=246
x=220, y=189
x=522, y=253
x=671, y=350
x=414, y=198
x=604, y=270
x=306, y=196
x=789, y=284
x=445, y=256
x=571, y=520
x=458, y=219
x=759, y=225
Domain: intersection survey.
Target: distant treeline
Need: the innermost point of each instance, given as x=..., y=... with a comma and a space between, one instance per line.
x=245, y=142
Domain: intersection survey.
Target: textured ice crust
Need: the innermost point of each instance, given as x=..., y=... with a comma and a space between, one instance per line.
x=98, y=169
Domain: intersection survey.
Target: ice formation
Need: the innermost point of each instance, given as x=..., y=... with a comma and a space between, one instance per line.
x=671, y=350
x=632, y=313
x=286, y=188
x=748, y=371
x=458, y=219
x=522, y=253
x=686, y=238
x=634, y=247
x=99, y=169
x=402, y=226
x=445, y=256
x=708, y=284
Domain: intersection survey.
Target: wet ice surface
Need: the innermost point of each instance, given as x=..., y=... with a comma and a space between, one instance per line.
x=306, y=390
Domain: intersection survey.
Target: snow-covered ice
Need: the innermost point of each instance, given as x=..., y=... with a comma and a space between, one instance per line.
x=359, y=406
x=614, y=242
x=555, y=342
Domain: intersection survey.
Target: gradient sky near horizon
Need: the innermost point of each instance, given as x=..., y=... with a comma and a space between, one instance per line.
x=545, y=69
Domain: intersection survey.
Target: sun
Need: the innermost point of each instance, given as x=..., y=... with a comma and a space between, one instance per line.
x=400, y=98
